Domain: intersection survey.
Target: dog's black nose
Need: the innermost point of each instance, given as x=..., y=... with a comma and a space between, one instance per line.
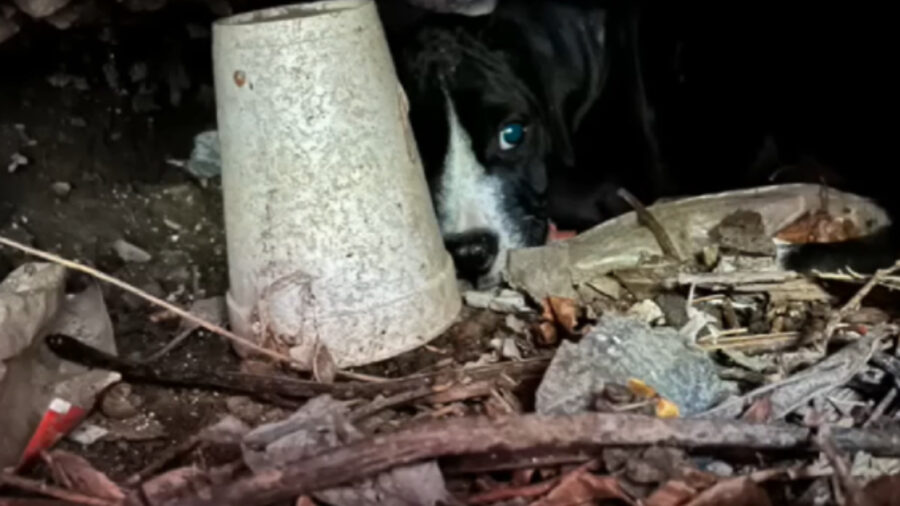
x=473, y=252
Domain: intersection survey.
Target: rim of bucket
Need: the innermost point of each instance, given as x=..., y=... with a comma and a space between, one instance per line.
x=288, y=12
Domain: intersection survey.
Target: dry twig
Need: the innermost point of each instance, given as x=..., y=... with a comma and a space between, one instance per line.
x=38, y=487
x=512, y=435
x=647, y=219
x=255, y=384
x=854, y=303
x=183, y=313
x=841, y=470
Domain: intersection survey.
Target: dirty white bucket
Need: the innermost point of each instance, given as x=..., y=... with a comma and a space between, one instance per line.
x=330, y=229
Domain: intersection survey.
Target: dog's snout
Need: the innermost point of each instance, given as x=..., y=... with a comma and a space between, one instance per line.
x=473, y=252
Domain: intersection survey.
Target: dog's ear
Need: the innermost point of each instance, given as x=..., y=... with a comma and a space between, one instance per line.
x=569, y=63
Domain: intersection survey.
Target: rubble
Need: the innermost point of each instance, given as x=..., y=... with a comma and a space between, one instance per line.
x=130, y=253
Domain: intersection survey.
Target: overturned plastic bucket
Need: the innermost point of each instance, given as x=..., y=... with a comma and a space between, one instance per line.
x=331, y=234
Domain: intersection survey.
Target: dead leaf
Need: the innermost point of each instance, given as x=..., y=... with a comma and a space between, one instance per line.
x=641, y=389
x=740, y=491
x=497, y=494
x=666, y=409
x=547, y=331
x=554, y=234
x=671, y=493
x=697, y=479
x=565, y=312
x=819, y=227
x=75, y=473
x=760, y=411
x=581, y=487
x=881, y=491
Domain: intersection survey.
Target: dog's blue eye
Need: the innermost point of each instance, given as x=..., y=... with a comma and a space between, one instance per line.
x=511, y=136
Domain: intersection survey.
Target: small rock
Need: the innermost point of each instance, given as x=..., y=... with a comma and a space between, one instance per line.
x=87, y=434
x=15, y=161
x=510, y=350
x=502, y=301
x=111, y=75
x=172, y=224
x=718, y=468
x=619, y=349
x=138, y=428
x=654, y=465
x=138, y=72
x=59, y=80
x=229, y=430
x=674, y=308
x=516, y=325
x=205, y=160
x=507, y=348
x=118, y=403
x=647, y=311
x=130, y=253
x=245, y=409
x=61, y=188
x=23, y=136
x=709, y=256
x=66, y=17
x=40, y=8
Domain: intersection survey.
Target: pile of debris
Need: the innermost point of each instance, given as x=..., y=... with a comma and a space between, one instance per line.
x=662, y=358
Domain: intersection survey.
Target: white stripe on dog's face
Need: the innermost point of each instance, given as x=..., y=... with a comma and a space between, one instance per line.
x=470, y=198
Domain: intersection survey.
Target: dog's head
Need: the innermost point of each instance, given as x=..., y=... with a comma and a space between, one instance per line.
x=493, y=103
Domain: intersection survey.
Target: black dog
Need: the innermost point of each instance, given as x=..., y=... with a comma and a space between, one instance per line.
x=501, y=106
x=542, y=109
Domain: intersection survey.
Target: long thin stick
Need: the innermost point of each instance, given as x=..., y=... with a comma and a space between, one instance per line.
x=187, y=315
x=647, y=219
x=530, y=434
x=51, y=491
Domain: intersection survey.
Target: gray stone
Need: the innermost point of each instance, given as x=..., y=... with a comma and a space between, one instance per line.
x=130, y=253
x=619, y=349
x=41, y=8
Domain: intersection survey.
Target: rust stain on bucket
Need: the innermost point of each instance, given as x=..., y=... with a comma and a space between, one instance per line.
x=240, y=78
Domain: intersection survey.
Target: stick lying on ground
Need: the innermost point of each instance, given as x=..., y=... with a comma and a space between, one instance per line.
x=508, y=436
x=71, y=349
x=183, y=313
